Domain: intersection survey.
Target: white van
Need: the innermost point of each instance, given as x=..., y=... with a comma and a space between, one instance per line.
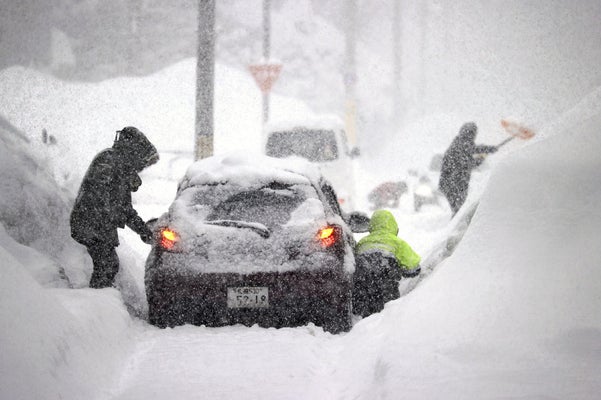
x=321, y=140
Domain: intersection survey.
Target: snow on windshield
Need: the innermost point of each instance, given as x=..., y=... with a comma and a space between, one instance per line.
x=238, y=186
x=271, y=205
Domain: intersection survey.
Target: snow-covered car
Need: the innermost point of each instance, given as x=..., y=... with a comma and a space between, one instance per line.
x=253, y=240
x=321, y=140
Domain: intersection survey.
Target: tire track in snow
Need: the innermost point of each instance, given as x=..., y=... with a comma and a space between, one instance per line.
x=192, y=362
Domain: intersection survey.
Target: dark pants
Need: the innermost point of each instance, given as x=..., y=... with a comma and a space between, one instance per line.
x=106, y=265
x=376, y=281
x=456, y=200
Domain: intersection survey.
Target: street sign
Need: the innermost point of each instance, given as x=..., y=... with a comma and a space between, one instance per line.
x=265, y=75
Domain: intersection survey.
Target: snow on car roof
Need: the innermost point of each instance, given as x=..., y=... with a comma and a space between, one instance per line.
x=326, y=121
x=247, y=169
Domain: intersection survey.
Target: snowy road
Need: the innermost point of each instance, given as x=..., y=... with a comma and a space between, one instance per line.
x=190, y=362
x=232, y=362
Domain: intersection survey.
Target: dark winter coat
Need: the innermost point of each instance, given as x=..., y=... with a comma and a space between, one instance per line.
x=457, y=164
x=104, y=201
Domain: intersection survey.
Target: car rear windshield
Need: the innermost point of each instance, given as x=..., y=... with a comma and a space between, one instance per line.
x=315, y=145
x=271, y=205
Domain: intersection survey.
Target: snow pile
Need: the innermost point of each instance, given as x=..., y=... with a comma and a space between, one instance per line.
x=43, y=269
x=84, y=117
x=34, y=212
x=515, y=310
x=57, y=343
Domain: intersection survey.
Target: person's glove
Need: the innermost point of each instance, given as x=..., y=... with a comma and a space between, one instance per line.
x=410, y=273
x=147, y=236
x=134, y=182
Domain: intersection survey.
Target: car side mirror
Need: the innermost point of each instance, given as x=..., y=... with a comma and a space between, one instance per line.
x=354, y=153
x=358, y=222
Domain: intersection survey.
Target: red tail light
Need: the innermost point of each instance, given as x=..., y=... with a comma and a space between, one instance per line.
x=168, y=238
x=329, y=235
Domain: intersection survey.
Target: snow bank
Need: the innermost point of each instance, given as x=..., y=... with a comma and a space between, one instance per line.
x=515, y=311
x=34, y=211
x=44, y=270
x=84, y=117
x=57, y=343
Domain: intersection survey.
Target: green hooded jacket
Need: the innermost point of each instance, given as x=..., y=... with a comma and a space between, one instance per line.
x=383, y=231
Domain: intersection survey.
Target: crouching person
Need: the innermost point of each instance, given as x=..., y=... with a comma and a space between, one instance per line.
x=382, y=259
x=104, y=202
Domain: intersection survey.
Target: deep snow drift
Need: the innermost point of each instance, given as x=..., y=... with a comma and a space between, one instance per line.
x=514, y=312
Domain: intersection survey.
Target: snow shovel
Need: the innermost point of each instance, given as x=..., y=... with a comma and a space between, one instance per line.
x=516, y=131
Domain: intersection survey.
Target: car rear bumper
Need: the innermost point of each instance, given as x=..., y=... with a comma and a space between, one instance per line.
x=295, y=298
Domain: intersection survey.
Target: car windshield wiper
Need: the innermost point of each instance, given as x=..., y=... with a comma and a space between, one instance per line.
x=261, y=229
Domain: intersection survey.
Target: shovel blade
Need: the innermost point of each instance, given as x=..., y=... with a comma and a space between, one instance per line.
x=517, y=130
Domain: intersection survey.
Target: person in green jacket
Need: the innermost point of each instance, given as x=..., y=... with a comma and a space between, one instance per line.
x=383, y=230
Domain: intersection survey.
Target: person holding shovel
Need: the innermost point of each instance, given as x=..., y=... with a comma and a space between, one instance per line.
x=462, y=156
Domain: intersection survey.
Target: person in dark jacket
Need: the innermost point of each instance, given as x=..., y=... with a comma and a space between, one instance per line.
x=104, y=202
x=461, y=157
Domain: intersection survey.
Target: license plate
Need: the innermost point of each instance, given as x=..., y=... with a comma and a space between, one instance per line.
x=247, y=297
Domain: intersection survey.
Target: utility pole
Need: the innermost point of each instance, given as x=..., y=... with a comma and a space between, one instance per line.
x=266, y=51
x=205, y=80
x=423, y=66
x=134, y=41
x=350, y=73
x=397, y=98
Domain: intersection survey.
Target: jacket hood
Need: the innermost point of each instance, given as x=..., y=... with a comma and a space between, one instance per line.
x=135, y=148
x=468, y=131
x=383, y=221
